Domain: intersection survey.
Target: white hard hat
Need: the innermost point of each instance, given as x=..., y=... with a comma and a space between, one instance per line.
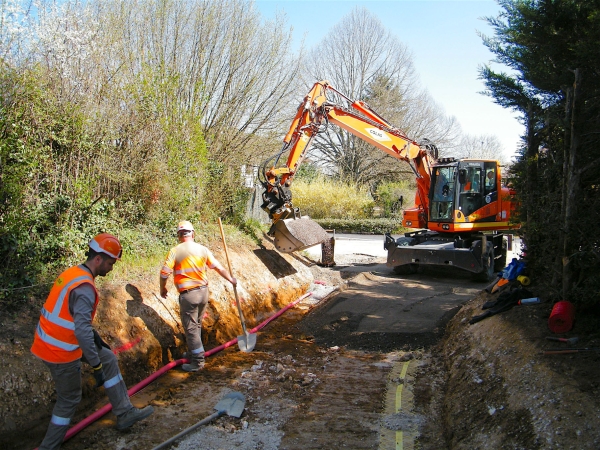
x=184, y=225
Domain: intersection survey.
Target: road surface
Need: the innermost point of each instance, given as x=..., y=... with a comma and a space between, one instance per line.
x=372, y=245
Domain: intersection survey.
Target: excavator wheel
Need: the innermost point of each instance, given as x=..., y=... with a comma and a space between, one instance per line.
x=487, y=261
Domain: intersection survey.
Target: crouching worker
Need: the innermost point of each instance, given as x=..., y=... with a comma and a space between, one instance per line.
x=189, y=262
x=64, y=338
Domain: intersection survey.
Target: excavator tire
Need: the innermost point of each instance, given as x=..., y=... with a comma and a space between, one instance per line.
x=487, y=260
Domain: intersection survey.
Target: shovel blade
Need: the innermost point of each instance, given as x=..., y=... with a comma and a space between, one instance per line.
x=231, y=404
x=247, y=342
x=292, y=235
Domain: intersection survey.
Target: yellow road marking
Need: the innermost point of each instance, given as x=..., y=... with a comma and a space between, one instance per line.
x=398, y=439
x=404, y=370
x=399, y=397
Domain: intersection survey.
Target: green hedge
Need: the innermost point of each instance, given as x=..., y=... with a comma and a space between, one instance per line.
x=363, y=226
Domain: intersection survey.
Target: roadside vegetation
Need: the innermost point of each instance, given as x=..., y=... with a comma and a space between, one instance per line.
x=554, y=86
x=127, y=116
x=348, y=207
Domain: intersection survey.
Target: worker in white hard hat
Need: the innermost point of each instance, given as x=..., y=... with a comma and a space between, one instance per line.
x=188, y=262
x=64, y=338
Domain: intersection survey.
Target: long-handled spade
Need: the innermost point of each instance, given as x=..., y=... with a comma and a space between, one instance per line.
x=231, y=404
x=247, y=341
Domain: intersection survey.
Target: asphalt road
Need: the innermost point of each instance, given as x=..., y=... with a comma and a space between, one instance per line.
x=372, y=245
x=379, y=308
x=347, y=244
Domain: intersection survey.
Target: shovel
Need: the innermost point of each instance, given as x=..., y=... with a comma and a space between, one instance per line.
x=247, y=341
x=231, y=404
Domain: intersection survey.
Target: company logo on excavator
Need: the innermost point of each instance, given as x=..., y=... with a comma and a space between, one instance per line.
x=378, y=134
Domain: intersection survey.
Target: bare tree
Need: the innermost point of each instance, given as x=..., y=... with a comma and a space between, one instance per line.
x=215, y=61
x=486, y=146
x=366, y=62
x=231, y=70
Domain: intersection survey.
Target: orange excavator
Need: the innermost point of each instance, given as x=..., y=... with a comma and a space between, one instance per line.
x=460, y=210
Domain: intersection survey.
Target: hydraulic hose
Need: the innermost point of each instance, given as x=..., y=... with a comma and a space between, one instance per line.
x=142, y=384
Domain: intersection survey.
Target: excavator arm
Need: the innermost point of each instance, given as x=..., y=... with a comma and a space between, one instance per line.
x=316, y=112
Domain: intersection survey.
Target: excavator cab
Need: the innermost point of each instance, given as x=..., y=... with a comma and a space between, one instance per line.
x=478, y=187
x=464, y=191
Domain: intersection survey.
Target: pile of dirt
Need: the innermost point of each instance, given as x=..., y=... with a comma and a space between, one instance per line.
x=499, y=389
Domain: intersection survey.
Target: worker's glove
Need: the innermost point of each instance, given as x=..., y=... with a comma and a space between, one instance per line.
x=99, y=341
x=98, y=375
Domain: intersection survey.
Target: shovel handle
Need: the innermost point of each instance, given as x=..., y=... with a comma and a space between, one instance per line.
x=237, y=301
x=569, y=350
x=187, y=430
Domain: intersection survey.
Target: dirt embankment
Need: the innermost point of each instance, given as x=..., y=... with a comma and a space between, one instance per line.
x=144, y=329
x=499, y=390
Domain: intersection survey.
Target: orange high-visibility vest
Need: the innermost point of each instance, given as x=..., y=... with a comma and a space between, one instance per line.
x=188, y=262
x=54, y=340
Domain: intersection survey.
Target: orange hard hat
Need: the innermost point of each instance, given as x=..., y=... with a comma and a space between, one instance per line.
x=184, y=225
x=107, y=243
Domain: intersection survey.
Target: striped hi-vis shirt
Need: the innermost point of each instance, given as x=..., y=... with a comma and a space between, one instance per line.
x=189, y=262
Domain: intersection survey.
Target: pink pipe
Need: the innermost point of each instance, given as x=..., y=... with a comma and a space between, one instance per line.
x=142, y=384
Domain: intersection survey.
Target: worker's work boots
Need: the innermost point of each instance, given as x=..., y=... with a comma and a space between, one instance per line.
x=132, y=416
x=196, y=363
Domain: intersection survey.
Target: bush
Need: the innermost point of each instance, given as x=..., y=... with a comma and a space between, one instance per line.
x=388, y=194
x=321, y=198
x=363, y=226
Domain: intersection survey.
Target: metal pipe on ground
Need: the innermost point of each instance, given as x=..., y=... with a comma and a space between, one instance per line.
x=142, y=384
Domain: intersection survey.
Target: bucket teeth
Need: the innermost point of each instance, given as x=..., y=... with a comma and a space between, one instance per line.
x=292, y=235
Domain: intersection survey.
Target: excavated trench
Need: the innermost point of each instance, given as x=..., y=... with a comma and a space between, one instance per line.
x=317, y=376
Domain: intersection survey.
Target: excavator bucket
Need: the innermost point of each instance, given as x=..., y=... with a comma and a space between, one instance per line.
x=292, y=235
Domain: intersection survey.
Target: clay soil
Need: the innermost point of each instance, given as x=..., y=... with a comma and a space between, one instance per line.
x=481, y=386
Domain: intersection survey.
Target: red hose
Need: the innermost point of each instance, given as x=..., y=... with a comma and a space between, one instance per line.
x=142, y=384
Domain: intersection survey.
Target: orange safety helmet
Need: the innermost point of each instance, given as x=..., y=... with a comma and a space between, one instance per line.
x=107, y=243
x=184, y=225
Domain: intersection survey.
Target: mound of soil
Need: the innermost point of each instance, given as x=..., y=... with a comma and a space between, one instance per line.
x=490, y=385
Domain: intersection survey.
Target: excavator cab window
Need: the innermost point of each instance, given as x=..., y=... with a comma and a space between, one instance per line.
x=442, y=201
x=490, y=177
x=491, y=182
x=471, y=184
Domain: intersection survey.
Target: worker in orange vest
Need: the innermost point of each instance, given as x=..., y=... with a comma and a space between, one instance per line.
x=188, y=262
x=64, y=337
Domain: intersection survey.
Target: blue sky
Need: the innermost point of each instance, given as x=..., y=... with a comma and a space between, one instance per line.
x=442, y=36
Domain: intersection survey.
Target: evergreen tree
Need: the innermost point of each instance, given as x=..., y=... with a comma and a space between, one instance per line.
x=552, y=48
